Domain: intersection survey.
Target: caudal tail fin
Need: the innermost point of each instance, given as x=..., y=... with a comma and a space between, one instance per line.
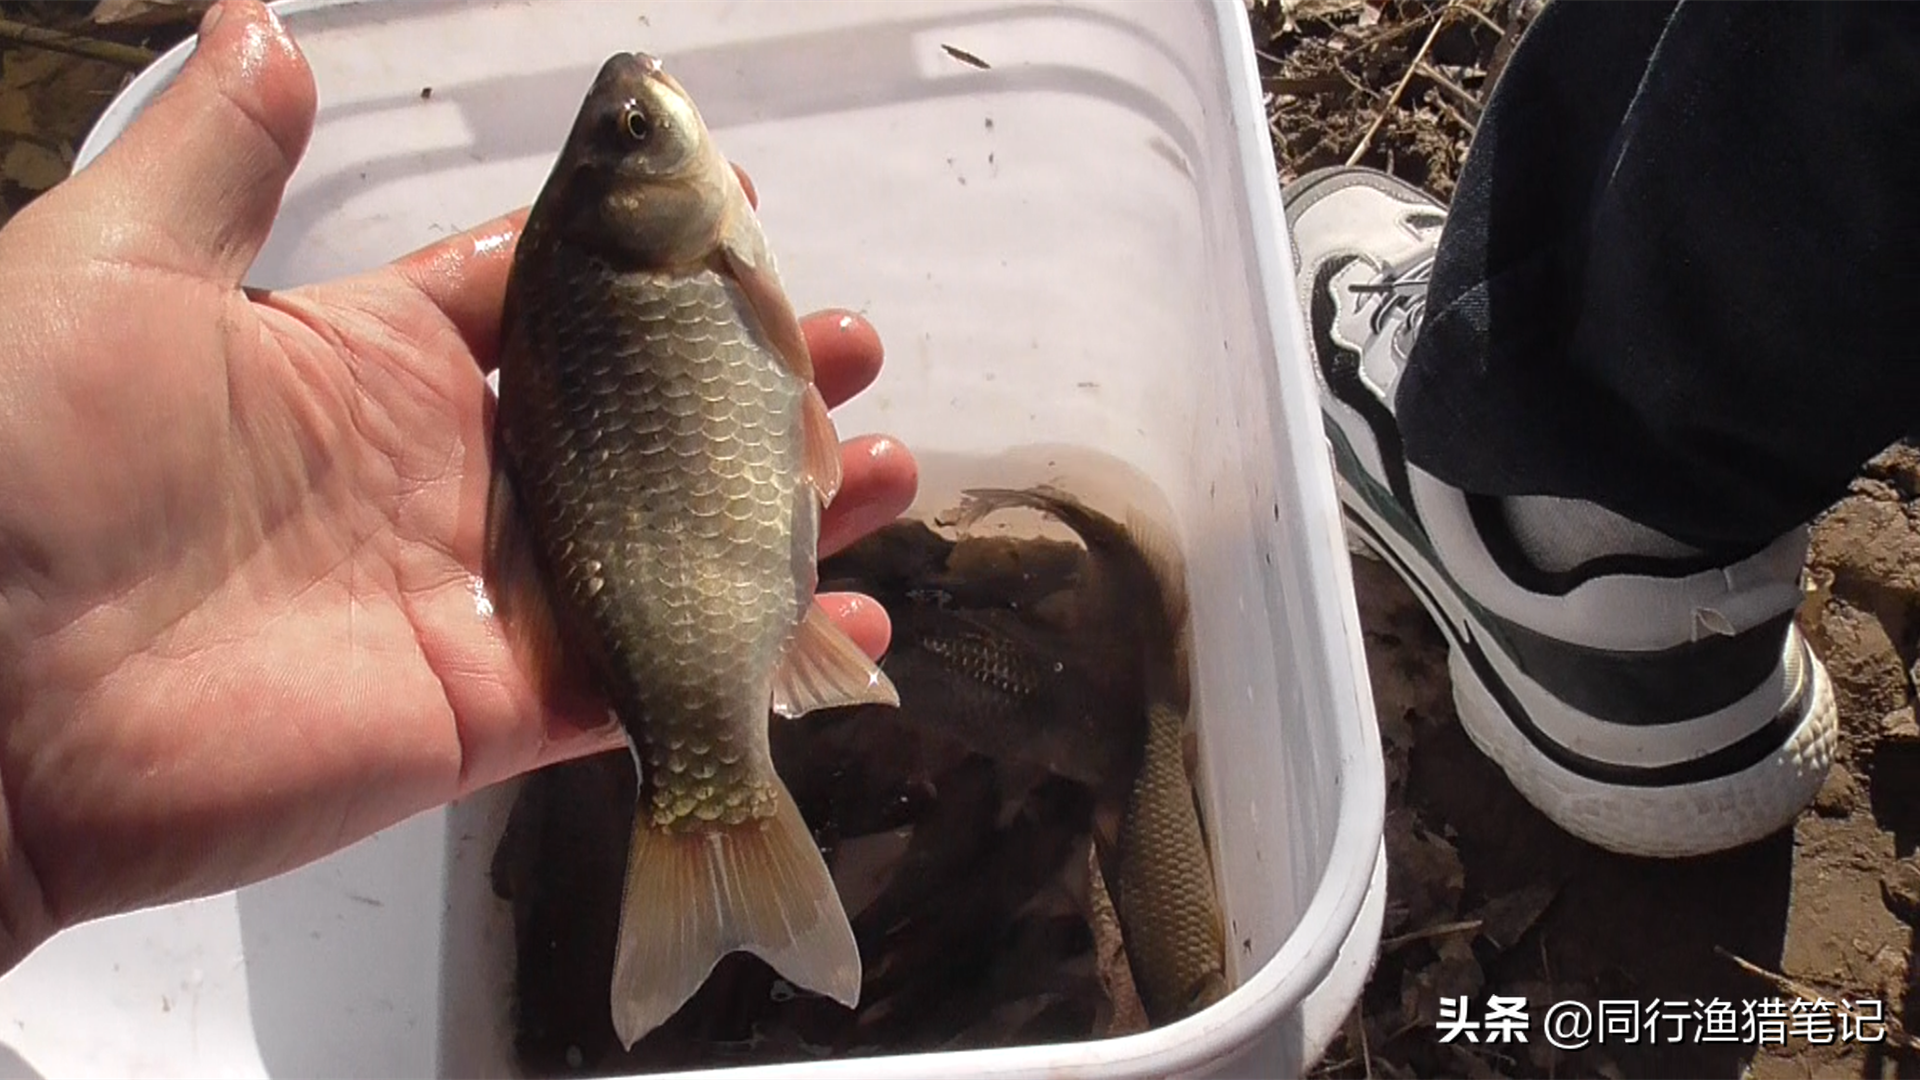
x=695, y=895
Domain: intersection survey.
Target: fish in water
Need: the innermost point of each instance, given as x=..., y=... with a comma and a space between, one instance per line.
x=1158, y=869
x=1164, y=892
x=662, y=460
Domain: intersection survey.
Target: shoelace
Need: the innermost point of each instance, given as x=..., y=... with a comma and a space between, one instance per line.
x=1405, y=292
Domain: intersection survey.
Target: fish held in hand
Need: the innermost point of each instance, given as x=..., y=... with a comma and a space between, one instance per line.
x=662, y=461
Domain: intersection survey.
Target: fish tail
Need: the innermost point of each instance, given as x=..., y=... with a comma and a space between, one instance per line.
x=695, y=895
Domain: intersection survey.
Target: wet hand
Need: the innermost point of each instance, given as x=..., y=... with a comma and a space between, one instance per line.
x=240, y=533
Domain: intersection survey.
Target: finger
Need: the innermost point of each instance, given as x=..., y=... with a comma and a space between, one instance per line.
x=846, y=352
x=878, y=480
x=753, y=196
x=465, y=276
x=194, y=183
x=862, y=619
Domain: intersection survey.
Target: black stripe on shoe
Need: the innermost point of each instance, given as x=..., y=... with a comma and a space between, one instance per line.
x=1340, y=366
x=1728, y=760
x=1635, y=688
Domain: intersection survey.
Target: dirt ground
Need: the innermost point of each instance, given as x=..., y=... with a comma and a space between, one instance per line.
x=1485, y=896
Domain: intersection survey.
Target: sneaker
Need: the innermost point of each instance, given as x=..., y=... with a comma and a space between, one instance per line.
x=1658, y=706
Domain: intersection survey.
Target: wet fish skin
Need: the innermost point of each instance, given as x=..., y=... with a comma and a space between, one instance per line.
x=663, y=458
x=1164, y=891
x=1136, y=592
x=1159, y=868
x=1006, y=690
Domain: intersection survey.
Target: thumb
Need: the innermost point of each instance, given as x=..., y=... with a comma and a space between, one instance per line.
x=194, y=182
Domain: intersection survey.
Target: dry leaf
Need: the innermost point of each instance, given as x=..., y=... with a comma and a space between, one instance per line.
x=1504, y=920
x=33, y=166
x=16, y=112
x=1321, y=9
x=1430, y=876
x=69, y=100
x=21, y=68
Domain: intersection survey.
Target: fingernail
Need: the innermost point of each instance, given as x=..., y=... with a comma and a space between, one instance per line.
x=211, y=19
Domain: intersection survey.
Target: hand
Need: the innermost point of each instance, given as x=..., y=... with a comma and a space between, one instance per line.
x=240, y=533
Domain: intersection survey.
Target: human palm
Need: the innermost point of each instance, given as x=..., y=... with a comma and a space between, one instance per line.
x=240, y=533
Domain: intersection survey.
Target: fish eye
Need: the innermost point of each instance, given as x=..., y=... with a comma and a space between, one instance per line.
x=636, y=125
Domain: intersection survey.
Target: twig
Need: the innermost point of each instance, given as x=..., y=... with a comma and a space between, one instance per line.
x=966, y=57
x=1896, y=1031
x=1484, y=21
x=1379, y=34
x=1355, y=1032
x=1450, y=86
x=1441, y=930
x=1358, y=86
x=1393, y=99
x=1366, y=1054
x=1303, y=85
x=1458, y=117
x=112, y=52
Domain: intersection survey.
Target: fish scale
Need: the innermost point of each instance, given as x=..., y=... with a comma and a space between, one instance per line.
x=1166, y=900
x=668, y=457
x=653, y=410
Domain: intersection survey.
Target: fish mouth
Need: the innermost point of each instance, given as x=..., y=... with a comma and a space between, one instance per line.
x=646, y=63
x=629, y=71
x=628, y=68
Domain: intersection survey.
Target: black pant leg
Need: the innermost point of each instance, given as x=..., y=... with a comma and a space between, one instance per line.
x=1677, y=272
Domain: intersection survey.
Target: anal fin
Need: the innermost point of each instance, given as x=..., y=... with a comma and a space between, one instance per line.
x=695, y=895
x=824, y=669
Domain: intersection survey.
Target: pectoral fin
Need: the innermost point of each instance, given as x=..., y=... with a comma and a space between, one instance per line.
x=751, y=266
x=820, y=446
x=824, y=669
x=744, y=255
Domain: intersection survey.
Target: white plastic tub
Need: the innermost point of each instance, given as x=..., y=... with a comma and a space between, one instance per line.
x=1081, y=245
